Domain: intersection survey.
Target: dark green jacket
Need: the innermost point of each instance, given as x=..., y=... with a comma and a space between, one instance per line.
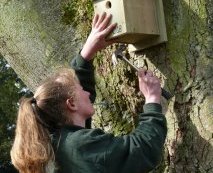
x=83, y=150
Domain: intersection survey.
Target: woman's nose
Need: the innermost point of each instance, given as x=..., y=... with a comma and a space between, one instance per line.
x=88, y=93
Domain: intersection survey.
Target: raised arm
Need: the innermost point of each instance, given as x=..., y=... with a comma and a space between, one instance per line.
x=141, y=151
x=82, y=63
x=96, y=41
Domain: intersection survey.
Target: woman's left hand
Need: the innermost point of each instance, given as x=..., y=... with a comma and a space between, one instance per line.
x=97, y=38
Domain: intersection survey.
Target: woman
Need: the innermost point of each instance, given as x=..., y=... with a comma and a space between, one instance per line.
x=51, y=134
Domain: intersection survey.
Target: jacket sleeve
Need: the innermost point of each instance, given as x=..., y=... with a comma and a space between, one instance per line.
x=85, y=72
x=140, y=151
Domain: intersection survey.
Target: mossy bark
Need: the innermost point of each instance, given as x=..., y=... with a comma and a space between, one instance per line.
x=190, y=115
x=36, y=37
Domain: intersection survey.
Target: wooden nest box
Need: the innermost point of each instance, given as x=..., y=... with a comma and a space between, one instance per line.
x=140, y=23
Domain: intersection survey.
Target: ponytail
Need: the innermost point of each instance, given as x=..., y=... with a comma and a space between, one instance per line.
x=32, y=150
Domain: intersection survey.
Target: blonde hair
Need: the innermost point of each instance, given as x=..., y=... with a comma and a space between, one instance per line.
x=32, y=151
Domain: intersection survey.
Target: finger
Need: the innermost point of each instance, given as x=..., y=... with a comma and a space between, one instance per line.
x=141, y=73
x=157, y=81
x=154, y=80
x=149, y=73
x=145, y=79
x=95, y=20
x=108, y=30
x=105, y=22
x=100, y=19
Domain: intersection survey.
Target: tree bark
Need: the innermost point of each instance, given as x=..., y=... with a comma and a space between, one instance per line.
x=35, y=40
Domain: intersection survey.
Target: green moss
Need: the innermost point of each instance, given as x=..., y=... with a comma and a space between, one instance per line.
x=186, y=40
x=199, y=9
x=178, y=47
x=70, y=11
x=76, y=13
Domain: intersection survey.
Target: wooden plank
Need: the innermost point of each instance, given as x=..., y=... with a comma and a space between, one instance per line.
x=141, y=17
x=162, y=38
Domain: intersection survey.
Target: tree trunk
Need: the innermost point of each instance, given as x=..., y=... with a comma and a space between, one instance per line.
x=35, y=38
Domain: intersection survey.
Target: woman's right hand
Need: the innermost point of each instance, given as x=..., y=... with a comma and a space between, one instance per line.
x=150, y=86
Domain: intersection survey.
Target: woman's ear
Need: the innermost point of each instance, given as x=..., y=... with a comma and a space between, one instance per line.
x=71, y=104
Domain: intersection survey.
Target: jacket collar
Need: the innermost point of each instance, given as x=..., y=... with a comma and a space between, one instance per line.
x=73, y=127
